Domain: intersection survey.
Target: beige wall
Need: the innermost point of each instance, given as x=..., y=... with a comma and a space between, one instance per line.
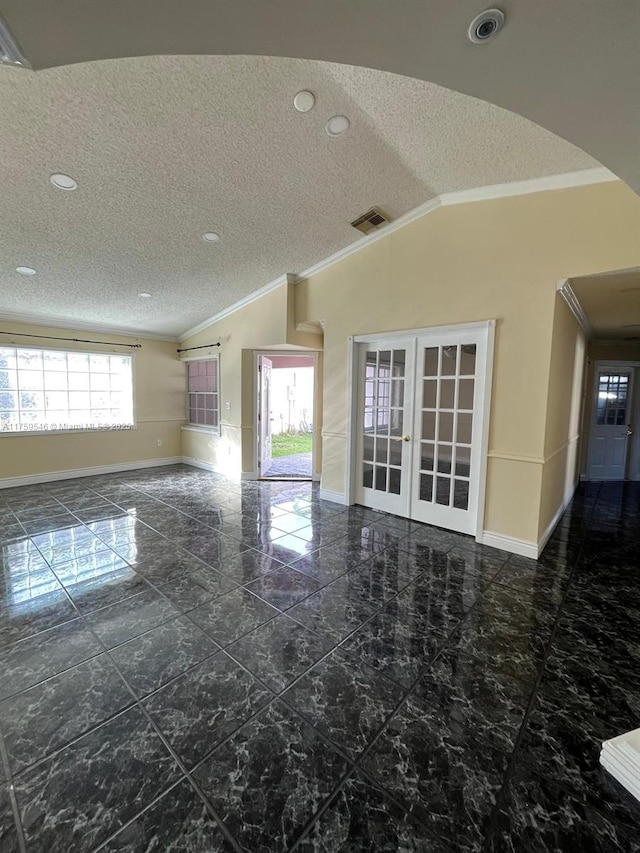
x=159, y=382
x=263, y=324
x=564, y=409
x=497, y=259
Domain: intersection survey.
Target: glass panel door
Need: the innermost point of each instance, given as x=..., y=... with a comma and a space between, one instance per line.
x=611, y=424
x=383, y=446
x=447, y=402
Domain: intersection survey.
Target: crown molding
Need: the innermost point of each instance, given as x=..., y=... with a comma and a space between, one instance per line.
x=364, y=242
x=568, y=180
x=567, y=292
x=287, y=278
x=584, y=177
x=72, y=325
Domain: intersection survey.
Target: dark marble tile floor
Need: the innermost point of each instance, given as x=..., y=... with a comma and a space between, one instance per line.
x=190, y=664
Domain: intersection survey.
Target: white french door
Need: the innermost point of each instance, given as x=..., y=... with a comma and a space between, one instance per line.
x=421, y=424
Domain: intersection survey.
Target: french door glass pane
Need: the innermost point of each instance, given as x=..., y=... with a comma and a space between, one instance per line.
x=384, y=398
x=468, y=360
x=461, y=494
x=448, y=389
x=447, y=393
x=613, y=392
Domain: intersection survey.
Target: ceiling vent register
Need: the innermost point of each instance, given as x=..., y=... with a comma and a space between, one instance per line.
x=370, y=221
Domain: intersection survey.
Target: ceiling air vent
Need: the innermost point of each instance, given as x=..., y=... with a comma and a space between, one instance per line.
x=370, y=221
x=10, y=53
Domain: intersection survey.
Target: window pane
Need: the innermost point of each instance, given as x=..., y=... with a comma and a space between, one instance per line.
x=9, y=400
x=57, y=400
x=78, y=361
x=30, y=380
x=202, y=389
x=78, y=381
x=55, y=381
x=55, y=360
x=52, y=387
x=8, y=358
x=99, y=363
x=29, y=359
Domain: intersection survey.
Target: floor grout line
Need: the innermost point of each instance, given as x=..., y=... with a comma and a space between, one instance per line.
x=5, y=766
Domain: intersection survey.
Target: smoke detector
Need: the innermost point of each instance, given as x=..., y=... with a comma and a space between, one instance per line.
x=370, y=221
x=486, y=26
x=10, y=53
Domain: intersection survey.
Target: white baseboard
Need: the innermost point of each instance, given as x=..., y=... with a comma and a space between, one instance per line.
x=198, y=463
x=554, y=521
x=248, y=475
x=507, y=543
x=334, y=497
x=315, y=478
x=73, y=473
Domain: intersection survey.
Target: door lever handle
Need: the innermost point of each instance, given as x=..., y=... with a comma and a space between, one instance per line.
x=400, y=438
x=629, y=430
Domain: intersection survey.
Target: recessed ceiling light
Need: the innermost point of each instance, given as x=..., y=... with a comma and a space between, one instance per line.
x=144, y=295
x=211, y=237
x=26, y=270
x=486, y=26
x=63, y=182
x=337, y=125
x=304, y=101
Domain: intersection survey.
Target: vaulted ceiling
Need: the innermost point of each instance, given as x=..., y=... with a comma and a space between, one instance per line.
x=167, y=148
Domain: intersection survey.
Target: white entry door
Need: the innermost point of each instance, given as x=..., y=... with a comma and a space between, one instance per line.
x=611, y=424
x=265, y=367
x=422, y=421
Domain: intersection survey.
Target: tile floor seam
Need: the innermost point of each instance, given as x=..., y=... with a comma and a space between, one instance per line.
x=5, y=768
x=506, y=779
x=165, y=741
x=139, y=814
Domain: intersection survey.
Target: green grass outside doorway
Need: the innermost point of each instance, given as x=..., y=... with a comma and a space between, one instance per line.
x=286, y=445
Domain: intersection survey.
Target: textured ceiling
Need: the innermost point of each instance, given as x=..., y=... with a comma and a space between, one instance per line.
x=166, y=148
x=571, y=66
x=611, y=303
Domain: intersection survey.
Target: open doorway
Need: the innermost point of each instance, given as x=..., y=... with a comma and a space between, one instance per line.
x=286, y=392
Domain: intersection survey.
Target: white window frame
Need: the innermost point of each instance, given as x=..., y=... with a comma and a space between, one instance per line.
x=188, y=426
x=75, y=430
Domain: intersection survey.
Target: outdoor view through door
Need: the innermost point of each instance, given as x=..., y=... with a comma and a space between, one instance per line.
x=285, y=428
x=422, y=417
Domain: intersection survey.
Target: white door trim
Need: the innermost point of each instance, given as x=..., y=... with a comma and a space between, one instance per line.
x=432, y=331
x=255, y=474
x=352, y=401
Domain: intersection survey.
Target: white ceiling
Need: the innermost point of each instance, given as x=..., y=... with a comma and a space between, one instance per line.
x=166, y=148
